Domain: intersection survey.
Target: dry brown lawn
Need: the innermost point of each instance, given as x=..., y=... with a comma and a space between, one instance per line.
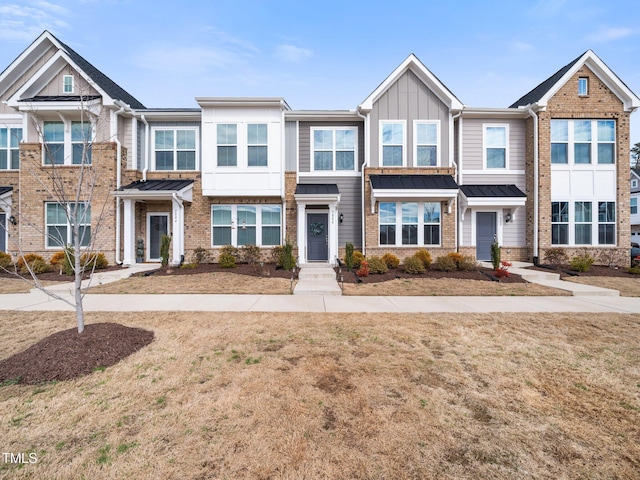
x=628, y=287
x=447, y=286
x=16, y=285
x=310, y=396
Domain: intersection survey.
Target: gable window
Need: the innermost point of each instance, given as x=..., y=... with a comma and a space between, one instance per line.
x=257, y=145
x=58, y=227
x=227, y=139
x=418, y=222
x=67, y=144
x=495, y=141
x=634, y=205
x=392, y=141
x=559, y=223
x=240, y=225
x=583, y=141
x=175, y=148
x=583, y=86
x=334, y=149
x=427, y=151
x=634, y=183
x=10, y=139
x=582, y=217
x=67, y=84
x=607, y=223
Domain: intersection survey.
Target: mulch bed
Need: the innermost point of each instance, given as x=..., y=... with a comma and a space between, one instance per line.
x=479, y=274
x=256, y=270
x=594, y=271
x=56, y=276
x=68, y=354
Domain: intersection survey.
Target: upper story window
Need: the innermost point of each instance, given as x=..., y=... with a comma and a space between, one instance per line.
x=67, y=84
x=495, y=146
x=427, y=150
x=67, y=144
x=257, y=144
x=227, y=141
x=392, y=143
x=583, y=141
x=634, y=183
x=583, y=86
x=10, y=139
x=334, y=149
x=175, y=148
x=633, y=202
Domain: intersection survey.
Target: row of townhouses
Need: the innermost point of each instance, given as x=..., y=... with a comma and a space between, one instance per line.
x=410, y=167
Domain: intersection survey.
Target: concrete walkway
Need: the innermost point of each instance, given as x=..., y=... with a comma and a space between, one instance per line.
x=38, y=301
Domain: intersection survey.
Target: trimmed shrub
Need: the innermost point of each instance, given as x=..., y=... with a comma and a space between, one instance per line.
x=57, y=261
x=377, y=265
x=288, y=259
x=348, y=255
x=634, y=270
x=358, y=258
x=581, y=263
x=228, y=256
x=457, y=257
x=467, y=263
x=495, y=255
x=251, y=254
x=36, y=262
x=165, y=242
x=5, y=260
x=200, y=255
x=424, y=256
x=414, y=265
x=88, y=260
x=555, y=256
x=391, y=260
x=363, y=271
x=189, y=266
x=446, y=264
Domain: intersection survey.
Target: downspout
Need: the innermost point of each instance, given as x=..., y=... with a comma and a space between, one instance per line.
x=179, y=220
x=146, y=148
x=536, y=187
x=365, y=162
x=118, y=177
x=283, y=177
x=455, y=165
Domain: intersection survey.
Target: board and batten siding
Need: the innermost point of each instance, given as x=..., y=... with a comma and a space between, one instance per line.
x=304, y=142
x=350, y=230
x=409, y=99
x=290, y=146
x=473, y=145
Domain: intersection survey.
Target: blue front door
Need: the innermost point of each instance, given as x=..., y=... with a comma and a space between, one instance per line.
x=485, y=234
x=317, y=237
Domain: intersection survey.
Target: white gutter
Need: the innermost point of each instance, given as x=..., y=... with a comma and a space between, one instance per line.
x=453, y=159
x=283, y=165
x=146, y=148
x=536, y=187
x=114, y=131
x=365, y=162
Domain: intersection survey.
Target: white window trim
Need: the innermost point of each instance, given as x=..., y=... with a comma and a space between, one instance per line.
x=571, y=235
x=235, y=225
x=594, y=144
x=175, y=148
x=67, y=143
x=421, y=225
x=415, y=143
x=404, y=143
x=584, y=80
x=485, y=167
x=633, y=200
x=634, y=183
x=68, y=225
x=64, y=84
x=249, y=145
x=333, y=171
x=10, y=128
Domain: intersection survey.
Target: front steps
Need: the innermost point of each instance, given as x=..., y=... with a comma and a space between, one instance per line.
x=317, y=279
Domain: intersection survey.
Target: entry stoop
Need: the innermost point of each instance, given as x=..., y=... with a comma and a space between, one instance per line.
x=317, y=279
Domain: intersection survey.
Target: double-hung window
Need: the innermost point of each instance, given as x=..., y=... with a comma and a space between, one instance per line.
x=81, y=143
x=409, y=223
x=426, y=144
x=495, y=142
x=334, y=149
x=583, y=141
x=583, y=225
x=246, y=225
x=59, y=224
x=392, y=142
x=559, y=223
x=432, y=223
x=67, y=84
x=634, y=205
x=387, y=216
x=583, y=86
x=67, y=143
x=419, y=223
x=227, y=141
x=10, y=139
x=53, y=133
x=607, y=223
x=559, y=141
x=257, y=144
x=175, y=148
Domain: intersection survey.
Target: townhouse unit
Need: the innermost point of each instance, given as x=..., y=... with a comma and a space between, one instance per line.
x=634, y=179
x=410, y=167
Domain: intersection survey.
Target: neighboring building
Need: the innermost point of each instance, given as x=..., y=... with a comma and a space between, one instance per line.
x=634, y=181
x=411, y=167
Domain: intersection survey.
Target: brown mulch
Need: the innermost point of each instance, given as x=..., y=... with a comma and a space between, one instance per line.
x=479, y=274
x=68, y=354
x=56, y=276
x=594, y=271
x=255, y=270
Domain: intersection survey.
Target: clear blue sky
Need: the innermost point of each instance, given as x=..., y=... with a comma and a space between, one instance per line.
x=330, y=54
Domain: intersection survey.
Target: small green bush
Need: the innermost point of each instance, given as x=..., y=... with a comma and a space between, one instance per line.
x=358, y=258
x=226, y=260
x=251, y=254
x=467, y=263
x=391, y=260
x=634, y=270
x=288, y=259
x=446, y=263
x=495, y=255
x=414, y=265
x=377, y=265
x=555, y=256
x=5, y=260
x=581, y=263
x=425, y=257
x=165, y=242
x=348, y=255
x=189, y=266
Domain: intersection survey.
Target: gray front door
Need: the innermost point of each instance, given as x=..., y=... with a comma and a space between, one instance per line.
x=317, y=237
x=485, y=234
x=3, y=232
x=158, y=226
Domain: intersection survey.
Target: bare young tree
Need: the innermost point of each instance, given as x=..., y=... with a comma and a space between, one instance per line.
x=76, y=203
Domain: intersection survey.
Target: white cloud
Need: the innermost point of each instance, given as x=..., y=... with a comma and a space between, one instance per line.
x=522, y=46
x=25, y=23
x=291, y=53
x=186, y=59
x=607, y=34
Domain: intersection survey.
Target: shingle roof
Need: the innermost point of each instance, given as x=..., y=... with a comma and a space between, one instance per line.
x=492, y=191
x=4, y=190
x=60, y=98
x=109, y=86
x=537, y=93
x=317, y=189
x=157, y=185
x=413, y=182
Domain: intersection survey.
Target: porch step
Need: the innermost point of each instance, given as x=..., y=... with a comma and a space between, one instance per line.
x=317, y=280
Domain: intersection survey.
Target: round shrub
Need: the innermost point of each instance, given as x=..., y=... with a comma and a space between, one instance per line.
x=424, y=256
x=36, y=262
x=414, y=265
x=467, y=263
x=88, y=260
x=227, y=260
x=377, y=265
x=446, y=264
x=391, y=260
x=581, y=263
x=358, y=258
x=5, y=260
x=363, y=271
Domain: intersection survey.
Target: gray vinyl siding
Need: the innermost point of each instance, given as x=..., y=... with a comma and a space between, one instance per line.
x=466, y=229
x=141, y=147
x=513, y=233
x=409, y=99
x=290, y=146
x=472, y=144
x=487, y=179
x=349, y=187
x=304, y=136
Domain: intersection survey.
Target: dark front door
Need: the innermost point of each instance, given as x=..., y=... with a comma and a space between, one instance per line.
x=485, y=234
x=158, y=226
x=317, y=237
x=3, y=232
